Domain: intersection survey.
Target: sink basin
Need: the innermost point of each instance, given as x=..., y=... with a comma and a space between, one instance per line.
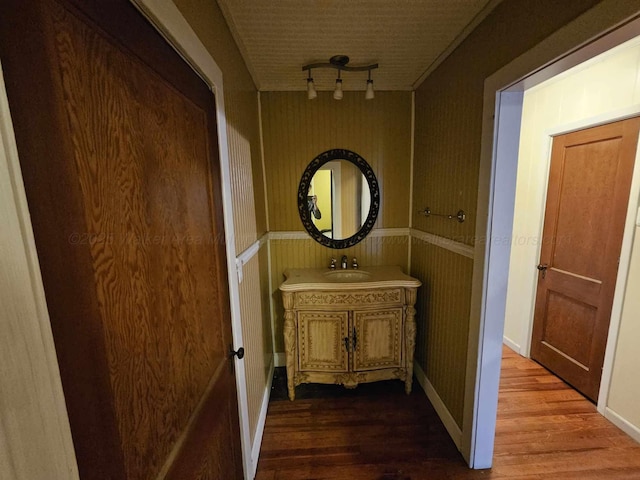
x=306, y=279
x=347, y=275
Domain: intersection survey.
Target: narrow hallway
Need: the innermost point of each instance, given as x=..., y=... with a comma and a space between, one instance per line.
x=545, y=429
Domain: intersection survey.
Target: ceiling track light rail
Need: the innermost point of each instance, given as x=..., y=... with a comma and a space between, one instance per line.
x=339, y=62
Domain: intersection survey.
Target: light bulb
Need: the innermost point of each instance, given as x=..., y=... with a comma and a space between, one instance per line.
x=369, y=93
x=311, y=89
x=337, y=94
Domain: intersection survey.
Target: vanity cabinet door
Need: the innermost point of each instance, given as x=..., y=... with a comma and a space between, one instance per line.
x=378, y=339
x=321, y=341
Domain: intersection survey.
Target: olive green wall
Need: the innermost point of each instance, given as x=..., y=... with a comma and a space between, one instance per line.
x=448, y=116
x=241, y=111
x=295, y=130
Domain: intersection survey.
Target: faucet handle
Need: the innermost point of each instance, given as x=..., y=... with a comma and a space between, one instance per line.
x=354, y=265
x=333, y=264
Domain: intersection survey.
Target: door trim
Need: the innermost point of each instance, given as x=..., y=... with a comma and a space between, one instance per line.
x=586, y=36
x=172, y=25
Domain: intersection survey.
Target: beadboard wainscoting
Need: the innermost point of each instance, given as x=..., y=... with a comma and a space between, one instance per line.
x=443, y=265
x=253, y=276
x=443, y=306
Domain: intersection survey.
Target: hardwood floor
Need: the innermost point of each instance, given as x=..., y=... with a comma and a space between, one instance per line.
x=545, y=430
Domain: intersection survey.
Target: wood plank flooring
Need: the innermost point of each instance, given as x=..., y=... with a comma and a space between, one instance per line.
x=545, y=430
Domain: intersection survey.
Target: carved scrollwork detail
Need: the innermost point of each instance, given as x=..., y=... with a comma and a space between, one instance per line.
x=366, y=362
x=300, y=378
x=290, y=342
x=349, y=298
x=410, y=336
x=400, y=373
x=351, y=379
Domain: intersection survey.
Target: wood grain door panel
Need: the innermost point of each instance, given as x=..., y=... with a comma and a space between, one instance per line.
x=379, y=339
x=321, y=341
x=587, y=200
x=117, y=142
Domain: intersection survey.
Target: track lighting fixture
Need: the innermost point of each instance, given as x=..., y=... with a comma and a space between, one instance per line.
x=339, y=62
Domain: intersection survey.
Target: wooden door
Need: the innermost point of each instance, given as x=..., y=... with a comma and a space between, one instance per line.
x=117, y=141
x=378, y=339
x=323, y=341
x=587, y=202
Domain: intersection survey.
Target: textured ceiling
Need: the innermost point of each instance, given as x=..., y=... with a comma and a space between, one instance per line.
x=405, y=37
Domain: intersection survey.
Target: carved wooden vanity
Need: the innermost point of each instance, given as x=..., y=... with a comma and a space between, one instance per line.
x=349, y=326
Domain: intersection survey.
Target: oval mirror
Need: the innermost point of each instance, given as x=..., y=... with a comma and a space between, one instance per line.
x=338, y=198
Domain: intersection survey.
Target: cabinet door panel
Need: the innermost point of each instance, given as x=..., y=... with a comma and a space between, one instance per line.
x=379, y=339
x=321, y=341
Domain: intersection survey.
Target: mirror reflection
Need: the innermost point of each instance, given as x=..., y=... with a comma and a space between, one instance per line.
x=338, y=199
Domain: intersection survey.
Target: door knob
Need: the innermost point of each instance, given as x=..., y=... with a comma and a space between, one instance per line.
x=543, y=268
x=238, y=353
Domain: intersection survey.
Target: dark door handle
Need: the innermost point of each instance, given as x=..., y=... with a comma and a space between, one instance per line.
x=543, y=268
x=346, y=343
x=238, y=353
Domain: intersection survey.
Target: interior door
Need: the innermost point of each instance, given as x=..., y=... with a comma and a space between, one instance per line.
x=587, y=200
x=117, y=142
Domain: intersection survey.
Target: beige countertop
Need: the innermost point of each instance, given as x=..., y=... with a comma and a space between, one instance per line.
x=298, y=279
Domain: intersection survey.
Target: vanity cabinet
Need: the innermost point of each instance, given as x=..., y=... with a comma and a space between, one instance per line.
x=343, y=341
x=360, y=330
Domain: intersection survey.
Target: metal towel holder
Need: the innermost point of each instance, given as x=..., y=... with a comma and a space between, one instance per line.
x=460, y=215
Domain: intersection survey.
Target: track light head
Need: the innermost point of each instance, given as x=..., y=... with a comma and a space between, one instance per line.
x=311, y=88
x=337, y=93
x=369, y=93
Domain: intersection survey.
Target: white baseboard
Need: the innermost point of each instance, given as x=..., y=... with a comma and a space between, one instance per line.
x=449, y=423
x=511, y=344
x=623, y=424
x=280, y=359
x=257, y=438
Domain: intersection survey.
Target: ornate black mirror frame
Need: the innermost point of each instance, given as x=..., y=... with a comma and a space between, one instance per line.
x=303, y=189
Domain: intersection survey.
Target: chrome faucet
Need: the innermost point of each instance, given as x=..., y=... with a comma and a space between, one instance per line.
x=343, y=263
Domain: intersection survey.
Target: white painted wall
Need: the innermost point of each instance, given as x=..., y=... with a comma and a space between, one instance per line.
x=623, y=406
x=602, y=89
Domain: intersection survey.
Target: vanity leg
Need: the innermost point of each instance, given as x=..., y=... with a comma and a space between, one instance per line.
x=410, y=336
x=289, y=342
